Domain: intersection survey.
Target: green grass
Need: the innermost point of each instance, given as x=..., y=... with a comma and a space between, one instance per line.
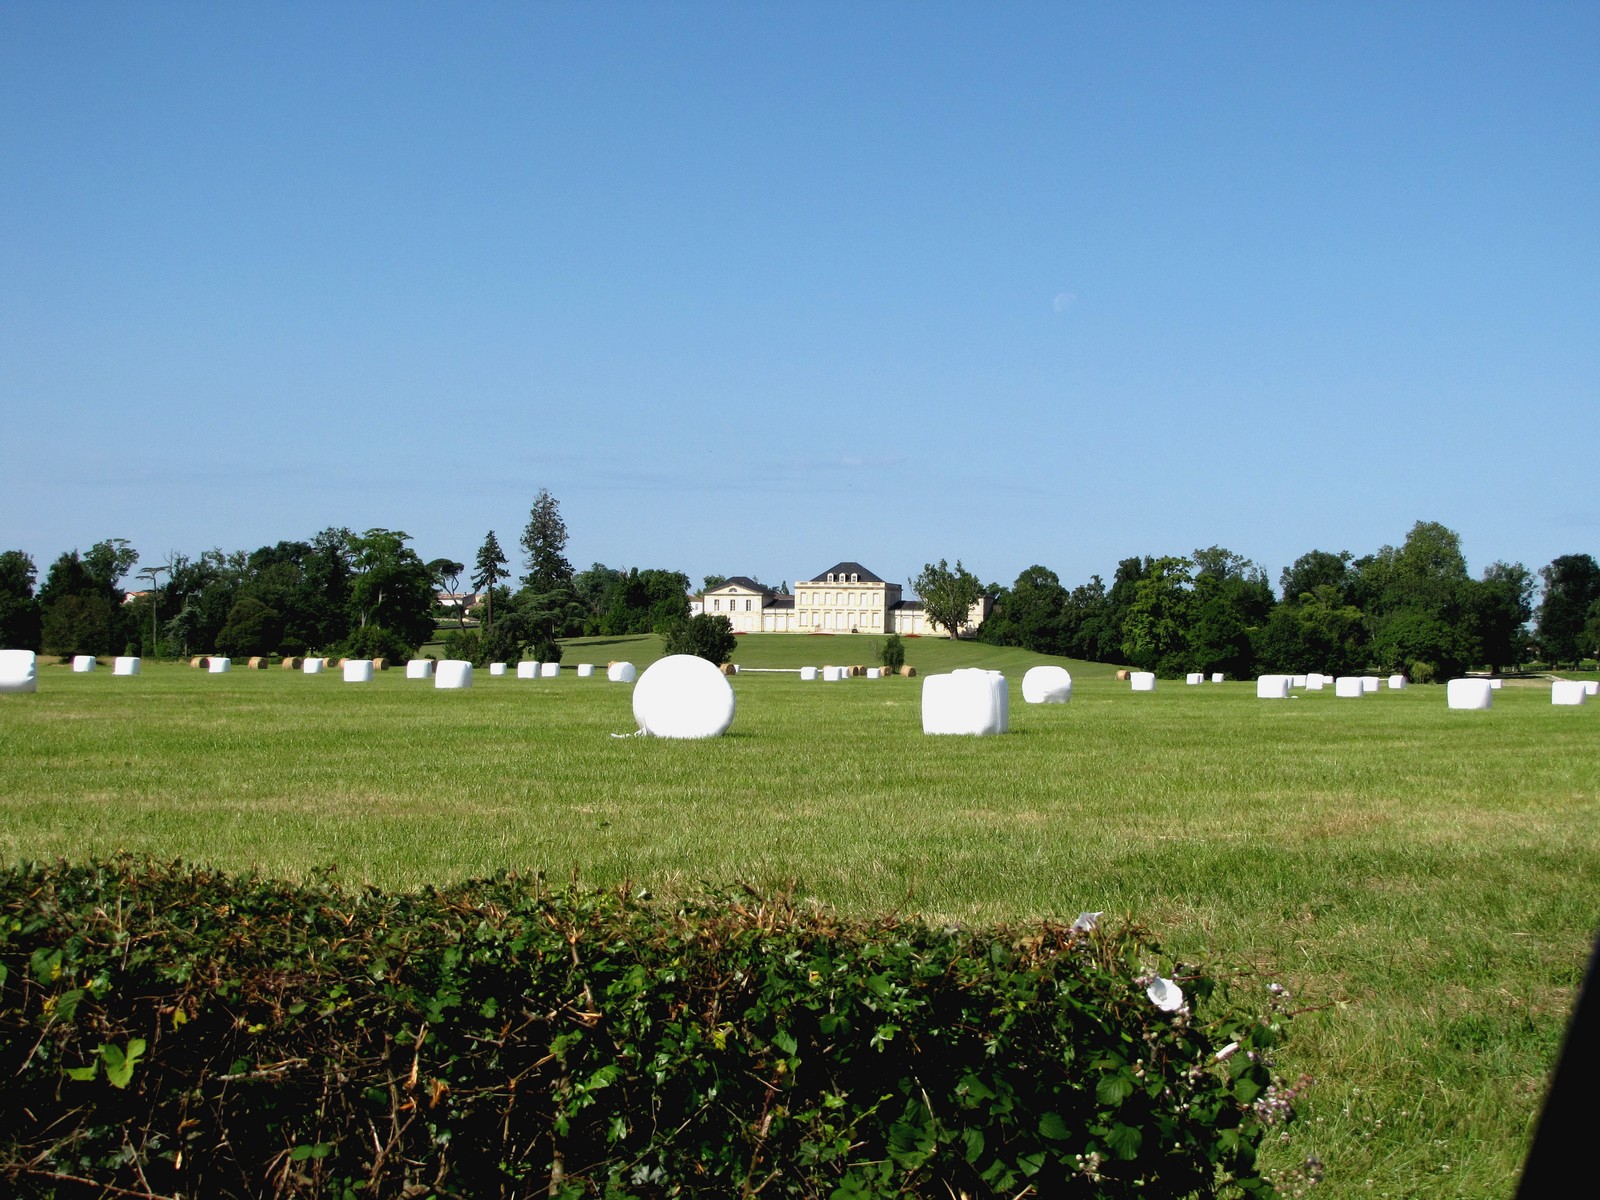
x=1428, y=881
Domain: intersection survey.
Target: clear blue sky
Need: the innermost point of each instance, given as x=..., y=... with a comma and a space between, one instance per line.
x=752, y=288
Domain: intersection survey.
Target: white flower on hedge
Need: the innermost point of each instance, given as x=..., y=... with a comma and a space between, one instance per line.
x=1165, y=995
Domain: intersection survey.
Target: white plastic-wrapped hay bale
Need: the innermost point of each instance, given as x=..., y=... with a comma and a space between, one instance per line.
x=1397, y=683
x=19, y=671
x=1568, y=691
x=808, y=673
x=1370, y=683
x=358, y=670
x=125, y=665
x=832, y=674
x=419, y=668
x=1047, y=684
x=1299, y=681
x=967, y=701
x=550, y=670
x=1192, y=678
x=497, y=668
x=1273, y=687
x=585, y=670
x=1143, y=681
x=683, y=696
x=622, y=672
x=1349, y=687
x=218, y=665
x=527, y=670
x=1469, y=693
x=1315, y=681
x=452, y=674
x=1494, y=684
x=313, y=666
x=874, y=672
x=1592, y=686
x=82, y=664
x=1217, y=677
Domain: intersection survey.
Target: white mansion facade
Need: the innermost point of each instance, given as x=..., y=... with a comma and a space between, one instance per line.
x=846, y=598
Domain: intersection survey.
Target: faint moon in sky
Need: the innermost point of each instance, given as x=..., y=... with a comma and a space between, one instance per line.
x=1063, y=301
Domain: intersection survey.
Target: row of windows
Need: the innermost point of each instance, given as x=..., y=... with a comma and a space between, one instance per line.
x=854, y=577
x=716, y=605
x=829, y=599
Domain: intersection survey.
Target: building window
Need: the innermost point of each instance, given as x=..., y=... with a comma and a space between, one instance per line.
x=854, y=578
x=716, y=606
x=747, y=606
x=830, y=576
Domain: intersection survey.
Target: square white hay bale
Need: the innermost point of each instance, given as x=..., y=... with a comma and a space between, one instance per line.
x=1315, y=681
x=808, y=673
x=1397, y=683
x=1143, y=681
x=1568, y=691
x=82, y=664
x=1469, y=693
x=1591, y=687
x=874, y=672
x=550, y=670
x=1217, y=677
x=452, y=673
x=1048, y=685
x=313, y=666
x=622, y=672
x=1273, y=687
x=358, y=670
x=1495, y=684
x=125, y=665
x=1370, y=683
x=1349, y=686
x=497, y=668
x=832, y=674
x=527, y=670
x=585, y=670
x=219, y=666
x=419, y=668
x=1299, y=681
x=967, y=701
x=1193, y=677
x=19, y=671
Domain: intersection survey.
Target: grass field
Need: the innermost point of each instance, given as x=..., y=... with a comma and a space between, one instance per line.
x=1426, y=881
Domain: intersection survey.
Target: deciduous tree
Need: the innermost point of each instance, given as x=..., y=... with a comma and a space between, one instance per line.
x=948, y=594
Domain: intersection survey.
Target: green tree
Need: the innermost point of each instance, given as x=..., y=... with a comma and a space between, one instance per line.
x=893, y=655
x=947, y=594
x=445, y=574
x=251, y=628
x=1029, y=613
x=391, y=587
x=1501, y=605
x=1155, y=633
x=486, y=573
x=84, y=623
x=19, y=609
x=545, y=542
x=705, y=635
x=1571, y=586
x=1231, y=600
x=1314, y=569
x=708, y=582
x=94, y=622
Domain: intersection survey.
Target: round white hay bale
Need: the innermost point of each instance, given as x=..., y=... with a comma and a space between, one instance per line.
x=1397, y=683
x=1047, y=685
x=313, y=666
x=807, y=674
x=1143, y=681
x=1469, y=693
x=968, y=701
x=585, y=670
x=125, y=665
x=1191, y=679
x=358, y=670
x=832, y=674
x=1217, y=677
x=419, y=668
x=1273, y=687
x=452, y=674
x=1370, y=683
x=82, y=664
x=1349, y=687
x=683, y=696
x=19, y=671
x=622, y=672
x=497, y=668
x=219, y=666
x=1568, y=691
x=550, y=670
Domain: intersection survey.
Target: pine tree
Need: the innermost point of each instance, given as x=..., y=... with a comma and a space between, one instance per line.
x=488, y=573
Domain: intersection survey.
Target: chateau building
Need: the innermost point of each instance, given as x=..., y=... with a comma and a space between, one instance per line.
x=846, y=598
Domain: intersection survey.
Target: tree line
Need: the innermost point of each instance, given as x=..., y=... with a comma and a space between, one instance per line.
x=1413, y=609
x=359, y=595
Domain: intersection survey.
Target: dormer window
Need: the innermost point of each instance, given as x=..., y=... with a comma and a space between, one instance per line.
x=830, y=576
x=854, y=578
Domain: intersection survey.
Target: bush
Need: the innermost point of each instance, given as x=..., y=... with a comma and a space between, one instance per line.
x=894, y=652
x=704, y=635
x=1421, y=672
x=174, y=1030
x=374, y=641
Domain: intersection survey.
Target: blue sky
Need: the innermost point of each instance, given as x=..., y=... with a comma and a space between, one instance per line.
x=754, y=288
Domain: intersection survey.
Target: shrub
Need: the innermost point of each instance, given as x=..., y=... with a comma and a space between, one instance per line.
x=705, y=635
x=374, y=641
x=174, y=1030
x=894, y=652
x=1421, y=672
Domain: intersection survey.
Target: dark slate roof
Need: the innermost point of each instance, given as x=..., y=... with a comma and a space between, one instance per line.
x=743, y=581
x=908, y=605
x=846, y=568
x=780, y=602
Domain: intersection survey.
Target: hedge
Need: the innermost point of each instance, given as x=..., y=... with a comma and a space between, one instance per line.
x=176, y=1031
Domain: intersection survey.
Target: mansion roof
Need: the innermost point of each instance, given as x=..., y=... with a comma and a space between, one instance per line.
x=854, y=572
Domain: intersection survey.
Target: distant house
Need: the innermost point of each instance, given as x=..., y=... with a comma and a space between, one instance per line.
x=458, y=599
x=846, y=598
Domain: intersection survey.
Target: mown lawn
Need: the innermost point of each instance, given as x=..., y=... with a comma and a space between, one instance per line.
x=1427, y=882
